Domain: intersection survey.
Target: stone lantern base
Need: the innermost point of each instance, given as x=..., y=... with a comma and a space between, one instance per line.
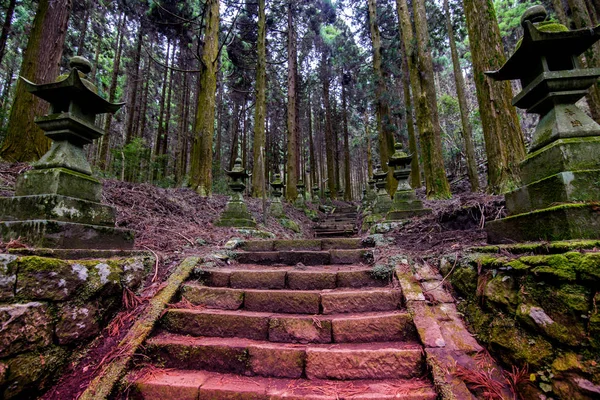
x=60, y=208
x=276, y=208
x=236, y=214
x=406, y=206
x=559, y=198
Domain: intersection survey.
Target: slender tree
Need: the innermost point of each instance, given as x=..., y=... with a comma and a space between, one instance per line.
x=466, y=131
x=504, y=143
x=24, y=140
x=6, y=27
x=204, y=126
x=260, y=112
x=291, y=191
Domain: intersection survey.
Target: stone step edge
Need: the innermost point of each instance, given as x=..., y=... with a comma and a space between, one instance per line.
x=306, y=244
x=259, y=358
x=156, y=384
x=103, y=384
x=443, y=333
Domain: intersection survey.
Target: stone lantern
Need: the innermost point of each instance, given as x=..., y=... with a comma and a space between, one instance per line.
x=300, y=201
x=405, y=205
x=276, y=209
x=371, y=191
x=236, y=213
x=58, y=203
x=383, y=203
x=328, y=201
x=315, y=195
x=562, y=169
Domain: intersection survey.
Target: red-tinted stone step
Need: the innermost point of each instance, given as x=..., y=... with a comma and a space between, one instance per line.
x=283, y=301
x=210, y=297
x=297, y=245
x=217, y=323
x=342, y=244
x=229, y=355
x=312, y=280
x=260, y=279
x=258, y=257
x=300, y=329
x=187, y=385
x=359, y=301
x=359, y=278
x=305, y=257
x=365, y=361
x=374, y=327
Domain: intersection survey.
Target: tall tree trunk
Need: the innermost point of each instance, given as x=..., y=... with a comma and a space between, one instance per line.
x=415, y=173
x=431, y=132
x=105, y=146
x=160, y=132
x=291, y=192
x=582, y=19
x=24, y=140
x=220, y=117
x=6, y=27
x=84, y=28
x=202, y=152
x=504, y=143
x=329, y=144
x=467, y=132
x=133, y=106
x=143, y=117
x=382, y=108
x=560, y=12
x=347, y=179
x=369, y=151
x=311, y=143
x=260, y=111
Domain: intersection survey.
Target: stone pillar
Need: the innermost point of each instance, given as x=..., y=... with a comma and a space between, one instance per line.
x=300, y=200
x=328, y=201
x=315, y=195
x=236, y=212
x=405, y=204
x=560, y=175
x=58, y=203
x=383, y=203
x=276, y=208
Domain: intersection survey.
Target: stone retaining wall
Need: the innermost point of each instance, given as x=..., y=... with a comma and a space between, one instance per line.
x=49, y=308
x=536, y=306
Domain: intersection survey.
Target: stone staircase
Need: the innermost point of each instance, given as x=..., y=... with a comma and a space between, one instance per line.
x=300, y=319
x=341, y=222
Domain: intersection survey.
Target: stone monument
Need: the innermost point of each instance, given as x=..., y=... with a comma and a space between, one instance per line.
x=315, y=195
x=58, y=203
x=405, y=204
x=276, y=208
x=300, y=200
x=383, y=203
x=561, y=173
x=236, y=212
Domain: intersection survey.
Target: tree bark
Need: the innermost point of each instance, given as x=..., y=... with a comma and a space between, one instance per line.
x=430, y=130
x=6, y=27
x=24, y=140
x=202, y=151
x=504, y=143
x=347, y=179
x=84, y=29
x=133, y=106
x=382, y=108
x=260, y=111
x=291, y=192
x=329, y=145
x=467, y=132
x=105, y=146
x=582, y=19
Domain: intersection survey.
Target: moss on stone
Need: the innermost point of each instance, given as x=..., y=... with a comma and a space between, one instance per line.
x=289, y=224
x=502, y=290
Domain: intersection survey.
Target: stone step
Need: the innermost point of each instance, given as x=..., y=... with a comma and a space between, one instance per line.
x=306, y=257
x=161, y=384
x=260, y=277
x=334, y=234
x=335, y=226
x=305, y=244
x=283, y=360
x=331, y=301
x=286, y=328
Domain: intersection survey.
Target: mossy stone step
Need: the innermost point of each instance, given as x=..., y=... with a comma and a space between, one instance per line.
x=291, y=328
x=306, y=244
x=305, y=257
x=294, y=301
x=285, y=360
x=194, y=385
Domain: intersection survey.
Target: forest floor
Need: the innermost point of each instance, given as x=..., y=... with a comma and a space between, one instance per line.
x=177, y=223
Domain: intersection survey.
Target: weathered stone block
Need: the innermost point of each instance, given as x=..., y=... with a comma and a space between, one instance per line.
x=217, y=323
x=24, y=327
x=262, y=279
x=134, y=271
x=48, y=278
x=361, y=301
x=209, y=297
x=311, y=280
x=300, y=330
x=181, y=385
x=67, y=235
x=282, y=301
x=59, y=181
x=373, y=328
x=8, y=276
x=77, y=323
x=273, y=360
